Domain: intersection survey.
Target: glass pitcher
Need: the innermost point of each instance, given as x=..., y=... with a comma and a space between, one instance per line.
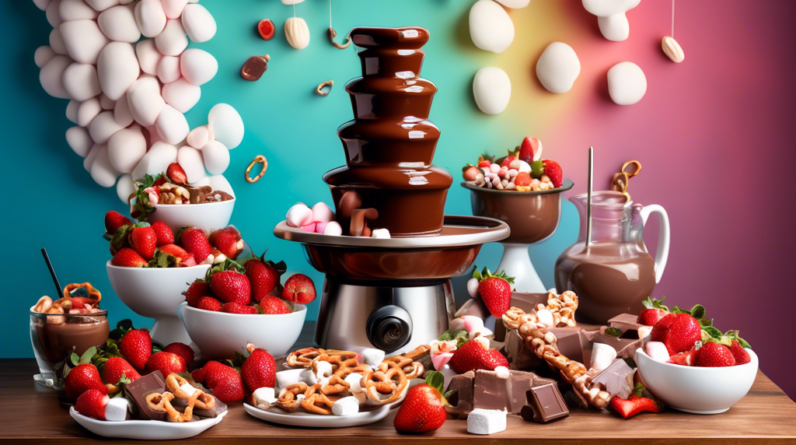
x=614, y=273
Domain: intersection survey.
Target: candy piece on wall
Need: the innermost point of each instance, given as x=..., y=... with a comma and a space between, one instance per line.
x=514, y=4
x=198, y=66
x=558, y=68
x=43, y=55
x=672, y=49
x=626, y=83
x=172, y=41
x=216, y=157
x=83, y=39
x=80, y=81
x=79, y=141
x=182, y=95
x=198, y=23
x=297, y=32
x=126, y=148
x=226, y=125
x=190, y=159
x=118, y=24
x=117, y=69
x=611, y=17
x=125, y=187
x=150, y=17
x=491, y=28
x=51, y=74
x=492, y=90
x=255, y=67
x=266, y=29
x=145, y=100
x=88, y=110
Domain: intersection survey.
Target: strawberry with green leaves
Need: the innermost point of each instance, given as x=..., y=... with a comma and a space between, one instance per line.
x=653, y=311
x=495, y=290
x=229, y=282
x=166, y=362
x=423, y=409
x=549, y=168
x=118, y=370
x=259, y=369
x=473, y=355
x=264, y=275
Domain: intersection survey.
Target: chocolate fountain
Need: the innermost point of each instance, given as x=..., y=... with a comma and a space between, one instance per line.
x=390, y=293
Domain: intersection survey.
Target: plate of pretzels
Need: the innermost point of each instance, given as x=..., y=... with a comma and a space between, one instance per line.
x=145, y=429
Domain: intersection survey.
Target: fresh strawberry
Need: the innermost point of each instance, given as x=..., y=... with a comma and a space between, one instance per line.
x=299, y=288
x=266, y=29
x=231, y=286
x=473, y=355
x=81, y=379
x=198, y=375
x=223, y=380
x=655, y=310
x=176, y=251
x=115, y=368
x=531, y=149
x=264, y=276
x=554, y=172
x=176, y=174
x=423, y=409
x=166, y=362
x=196, y=290
x=714, y=355
x=92, y=404
x=128, y=257
x=682, y=358
x=182, y=350
x=507, y=161
x=237, y=308
x=523, y=179
x=273, y=306
x=136, y=347
x=740, y=354
x=209, y=304
x=227, y=241
x=195, y=241
x=635, y=404
x=144, y=241
x=259, y=369
x=163, y=233
x=470, y=172
x=484, y=163
x=495, y=290
x=114, y=220
x=678, y=332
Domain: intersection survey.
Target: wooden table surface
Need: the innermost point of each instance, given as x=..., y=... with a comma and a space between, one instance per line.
x=765, y=416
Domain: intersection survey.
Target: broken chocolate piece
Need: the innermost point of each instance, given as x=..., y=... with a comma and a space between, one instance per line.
x=545, y=404
x=625, y=345
x=254, y=68
x=616, y=379
x=625, y=322
x=137, y=391
x=461, y=400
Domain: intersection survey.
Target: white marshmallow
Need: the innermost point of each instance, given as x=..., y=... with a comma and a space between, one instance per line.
x=101, y=5
x=157, y=160
x=486, y=421
x=83, y=40
x=182, y=95
x=189, y=389
x=118, y=24
x=76, y=10
x=657, y=351
x=148, y=56
x=169, y=69
x=362, y=397
x=72, y=109
x=219, y=182
x=173, y=8
x=106, y=102
x=198, y=23
x=43, y=55
x=198, y=66
x=492, y=89
x=80, y=81
x=53, y=14
x=172, y=41
x=216, y=157
x=150, y=17
x=226, y=125
x=308, y=377
x=125, y=187
x=491, y=28
x=117, y=69
x=627, y=83
x=79, y=140
x=145, y=101
x=354, y=381
x=288, y=377
x=345, y=406
x=546, y=318
x=116, y=409
x=126, y=148
x=372, y=356
x=57, y=42
x=644, y=331
x=611, y=17
x=172, y=125
x=502, y=372
x=102, y=172
x=198, y=137
x=264, y=397
x=103, y=127
x=483, y=340
x=92, y=154
x=333, y=228
x=323, y=371
x=558, y=68
x=322, y=213
x=87, y=111
x=41, y=4
x=472, y=287
x=380, y=233
x=50, y=76
x=122, y=114
x=299, y=215
x=190, y=159
x=602, y=356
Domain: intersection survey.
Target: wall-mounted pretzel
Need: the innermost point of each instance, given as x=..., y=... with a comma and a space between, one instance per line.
x=259, y=159
x=332, y=34
x=320, y=89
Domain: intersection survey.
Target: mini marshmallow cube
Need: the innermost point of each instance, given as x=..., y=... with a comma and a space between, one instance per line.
x=308, y=377
x=322, y=213
x=299, y=215
x=657, y=351
x=380, y=233
x=287, y=378
x=486, y=421
x=602, y=356
x=264, y=397
x=354, y=381
x=324, y=371
x=333, y=228
x=372, y=356
x=472, y=287
x=116, y=409
x=345, y=406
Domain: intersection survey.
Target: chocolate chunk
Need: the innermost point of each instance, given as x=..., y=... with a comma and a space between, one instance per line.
x=137, y=391
x=461, y=400
x=501, y=391
x=254, y=68
x=625, y=347
x=545, y=404
x=197, y=196
x=617, y=379
x=625, y=322
x=571, y=342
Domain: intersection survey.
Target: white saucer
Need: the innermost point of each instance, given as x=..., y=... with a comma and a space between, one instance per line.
x=307, y=420
x=144, y=429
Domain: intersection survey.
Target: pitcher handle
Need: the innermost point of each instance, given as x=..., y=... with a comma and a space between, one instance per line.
x=662, y=255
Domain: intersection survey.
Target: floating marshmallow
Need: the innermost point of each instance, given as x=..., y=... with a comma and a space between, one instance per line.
x=71, y=112
x=102, y=5
x=602, y=356
x=106, y=102
x=291, y=2
x=486, y=421
x=172, y=126
x=101, y=170
x=182, y=95
x=322, y=213
x=216, y=157
x=145, y=101
x=380, y=233
x=345, y=406
x=198, y=137
x=546, y=318
x=125, y=187
x=88, y=110
x=558, y=67
x=657, y=351
x=611, y=17
x=198, y=66
x=83, y=40
x=103, y=127
x=372, y=356
x=626, y=83
x=118, y=24
x=172, y=41
x=169, y=69
x=441, y=359
x=53, y=14
x=220, y=183
x=472, y=287
x=173, y=8
x=50, y=76
x=57, y=42
x=80, y=81
x=333, y=228
x=514, y=4
x=117, y=409
x=148, y=56
x=226, y=125
x=491, y=28
x=41, y=4
x=71, y=10
x=190, y=159
x=467, y=323
x=92, y=154
x=43, y=55
x=122, y=114
x=264, y=397
x=150, y=17
x=308, y=377
x=126, y=148
x=157, y=160
x=79, y=140
x=198, y=23
x=117, y=69
x=299, y=215
x=297, y=32
x=354, y=381
x=492, y=89
x=288, y=377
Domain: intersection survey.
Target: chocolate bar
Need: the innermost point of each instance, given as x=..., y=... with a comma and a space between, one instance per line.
x=545, y=404
x=625, y=322
x=503, y=390
x=617, y=379
x=573, y=343
x=137, y=391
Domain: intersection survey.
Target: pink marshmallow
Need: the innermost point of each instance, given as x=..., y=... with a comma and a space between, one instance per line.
x=657, y=351
x=299, y=215
x=321, y=212
x=472, y=323
x=320, y=226
x=333, y=228
x=441, y=359
x=309, y=227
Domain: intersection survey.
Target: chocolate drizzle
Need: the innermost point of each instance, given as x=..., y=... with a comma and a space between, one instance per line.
x=390, y=143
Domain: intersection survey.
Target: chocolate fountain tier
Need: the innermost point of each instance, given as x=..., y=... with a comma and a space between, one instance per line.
x=377, y=97
x=409, y=143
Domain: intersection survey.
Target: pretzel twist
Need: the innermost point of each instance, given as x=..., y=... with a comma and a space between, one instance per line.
x=388, y=379
x=162, y=403
x=174, y=384
x=288, y=399
x=316, y=402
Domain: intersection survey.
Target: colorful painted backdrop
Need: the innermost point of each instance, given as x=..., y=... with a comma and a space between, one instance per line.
x=713, y=134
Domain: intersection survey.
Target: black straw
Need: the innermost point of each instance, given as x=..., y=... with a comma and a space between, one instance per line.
x=52, y=272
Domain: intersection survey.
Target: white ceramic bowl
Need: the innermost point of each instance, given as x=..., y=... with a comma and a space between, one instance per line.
x=156, y=293
x=695, y=389
x=144, y=429
x=208, y=217
x=219, y=334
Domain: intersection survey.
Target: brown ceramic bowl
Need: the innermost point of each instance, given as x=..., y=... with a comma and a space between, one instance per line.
x=532, y=216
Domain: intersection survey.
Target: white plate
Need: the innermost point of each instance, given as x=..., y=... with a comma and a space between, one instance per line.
x=144, y=429
x=307, y=420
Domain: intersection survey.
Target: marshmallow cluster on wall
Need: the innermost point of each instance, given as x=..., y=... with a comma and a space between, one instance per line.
x=128, y=94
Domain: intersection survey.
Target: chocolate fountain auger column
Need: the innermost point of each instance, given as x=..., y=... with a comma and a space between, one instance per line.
x=393, y=294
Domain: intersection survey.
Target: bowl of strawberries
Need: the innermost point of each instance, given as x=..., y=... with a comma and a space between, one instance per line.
x=239, y=303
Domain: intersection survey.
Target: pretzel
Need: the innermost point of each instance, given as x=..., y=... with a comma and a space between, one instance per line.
x=43, y=305
x=621, y=179
x=259, y=159
x=288, y=399
x=332, y=34
x=411, y=368
x=387, y=379
x=162, y=403
x=302, y=358
x=174, y=384
x=316, y=402
x=329, y=83
x=93, y=293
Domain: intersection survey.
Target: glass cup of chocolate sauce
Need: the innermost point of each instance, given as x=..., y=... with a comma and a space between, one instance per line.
x=56, y=336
